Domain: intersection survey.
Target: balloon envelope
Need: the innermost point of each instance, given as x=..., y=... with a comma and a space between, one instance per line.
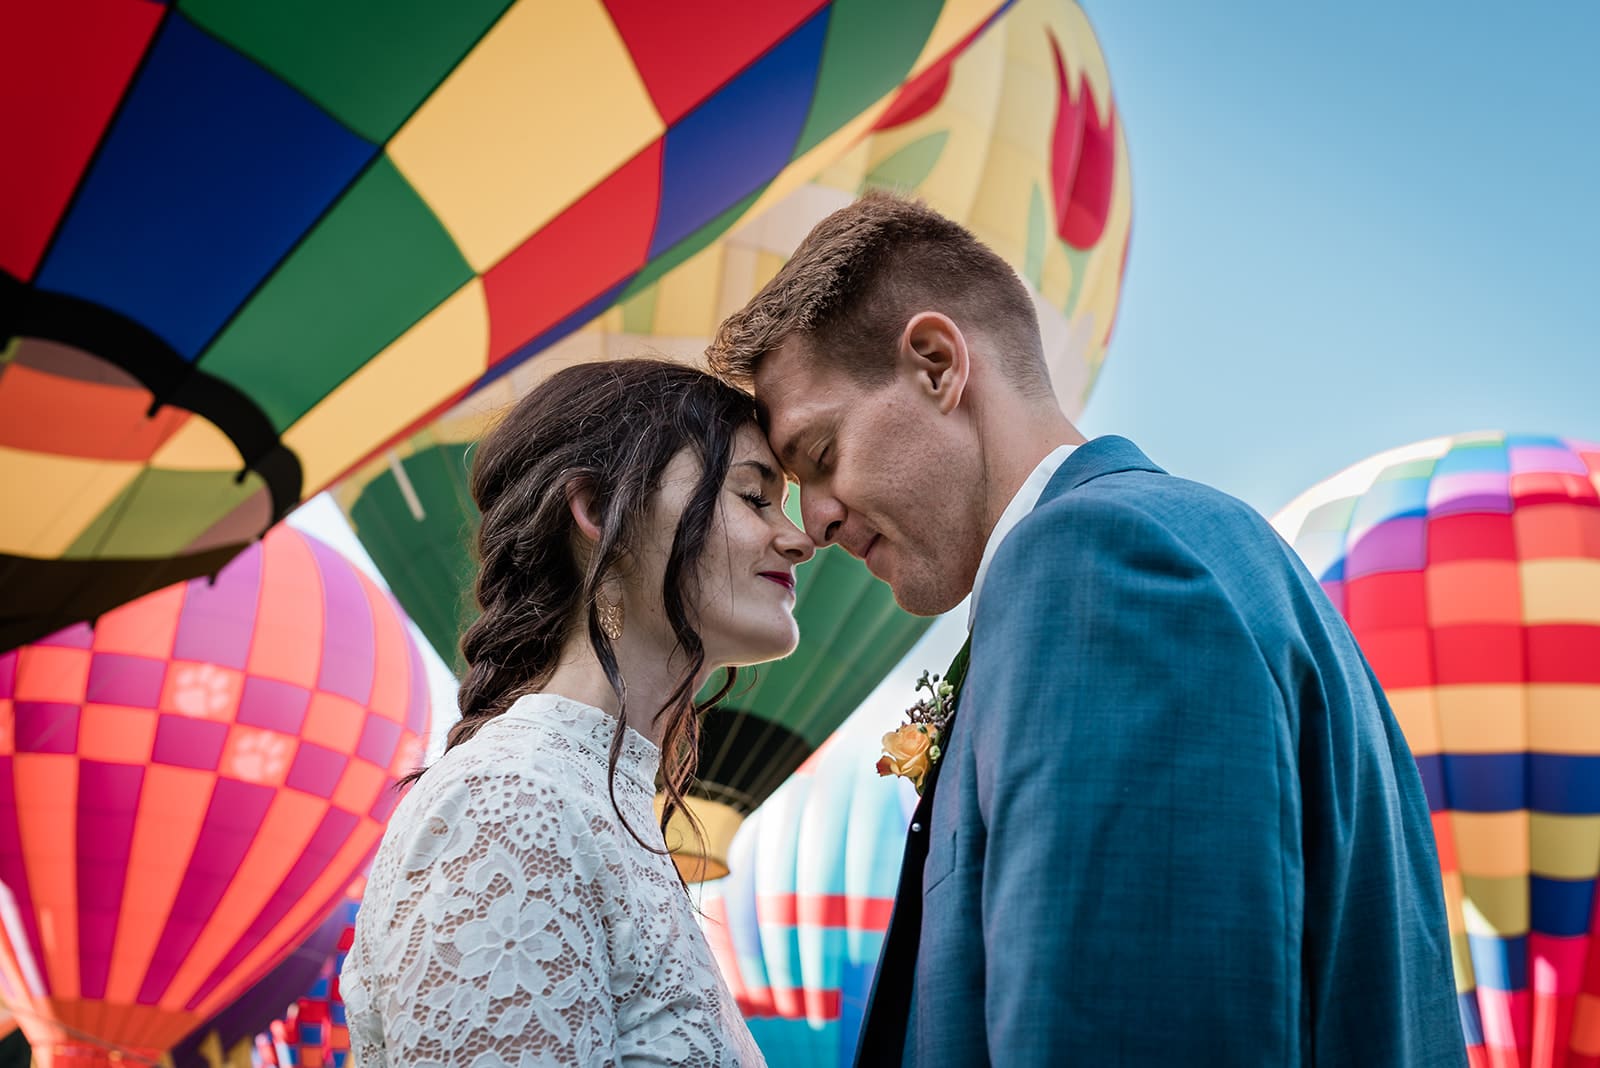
x=1468, y=568
x=361, y=212
x=316, y=1031
x=187, y=789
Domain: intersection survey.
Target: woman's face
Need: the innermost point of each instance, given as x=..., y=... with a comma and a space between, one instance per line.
x=744, y=609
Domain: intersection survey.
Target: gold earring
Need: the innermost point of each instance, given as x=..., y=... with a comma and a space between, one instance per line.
x=610, y=613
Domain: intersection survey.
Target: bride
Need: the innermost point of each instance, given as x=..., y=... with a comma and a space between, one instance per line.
x=522, y=908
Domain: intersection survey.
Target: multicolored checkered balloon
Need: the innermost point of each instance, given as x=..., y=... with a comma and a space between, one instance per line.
x=187, y=789
x=1468, y=568
x=316, y=1033
x=362, y=211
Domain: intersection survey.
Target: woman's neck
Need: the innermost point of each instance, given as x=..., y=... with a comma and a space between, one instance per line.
x=649, y=675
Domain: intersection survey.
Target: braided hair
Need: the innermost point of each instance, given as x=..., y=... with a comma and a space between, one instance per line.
x=612, y=427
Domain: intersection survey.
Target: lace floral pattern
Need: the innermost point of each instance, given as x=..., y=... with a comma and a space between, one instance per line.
x=511, y=920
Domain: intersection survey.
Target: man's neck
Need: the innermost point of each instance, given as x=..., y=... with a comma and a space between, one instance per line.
x=1020, y=442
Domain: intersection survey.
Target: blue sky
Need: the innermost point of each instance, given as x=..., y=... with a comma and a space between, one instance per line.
x=1355, y=226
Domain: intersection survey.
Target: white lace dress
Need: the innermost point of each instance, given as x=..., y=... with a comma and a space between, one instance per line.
x=510, y=920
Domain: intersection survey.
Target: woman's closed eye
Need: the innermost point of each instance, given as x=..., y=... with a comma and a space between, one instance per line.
x=758, y=501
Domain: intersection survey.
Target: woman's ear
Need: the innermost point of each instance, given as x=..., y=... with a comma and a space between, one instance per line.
x=580, y=499
x=933, y=347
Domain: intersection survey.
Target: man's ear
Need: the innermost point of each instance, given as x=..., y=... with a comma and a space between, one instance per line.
x=580, y=499
x=933, y=347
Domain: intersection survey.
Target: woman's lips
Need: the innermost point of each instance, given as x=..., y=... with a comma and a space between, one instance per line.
x=782, y=578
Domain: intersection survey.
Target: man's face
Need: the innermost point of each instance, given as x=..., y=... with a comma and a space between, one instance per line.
x=882, y=472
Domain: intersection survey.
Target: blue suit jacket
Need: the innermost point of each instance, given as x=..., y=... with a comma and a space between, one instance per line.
x=1176, y=822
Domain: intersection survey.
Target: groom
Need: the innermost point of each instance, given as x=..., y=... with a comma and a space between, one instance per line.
x=1174, y=821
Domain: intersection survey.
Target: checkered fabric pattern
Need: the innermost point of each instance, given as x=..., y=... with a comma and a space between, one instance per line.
x=1469, y=570
x=187, y=789
x=366, y=210
x=316, y=1033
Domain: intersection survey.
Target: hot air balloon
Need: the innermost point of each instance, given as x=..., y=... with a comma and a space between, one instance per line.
x=187, y=789
x=1468, y=568
x=251, y=244
x=798, y=925
x=1014, y=134
x=230, y=1037
x=316, y=1032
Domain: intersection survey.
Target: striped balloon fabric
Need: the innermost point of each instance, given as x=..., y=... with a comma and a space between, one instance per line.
x=363, y=211
x=1468, y=568
x=187, y=789
x=798, y=925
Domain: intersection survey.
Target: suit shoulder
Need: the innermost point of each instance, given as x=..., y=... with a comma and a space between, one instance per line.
x=1144, y=506
x=1102, y=514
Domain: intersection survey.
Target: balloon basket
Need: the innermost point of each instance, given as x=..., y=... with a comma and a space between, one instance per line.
x=88, y=1055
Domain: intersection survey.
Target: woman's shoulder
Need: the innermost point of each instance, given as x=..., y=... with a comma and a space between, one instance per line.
x=487, y=792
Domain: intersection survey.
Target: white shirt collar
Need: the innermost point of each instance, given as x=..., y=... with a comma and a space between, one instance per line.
x=1026, y=498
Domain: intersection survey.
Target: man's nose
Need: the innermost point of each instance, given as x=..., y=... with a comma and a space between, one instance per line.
x=795, y=544
x=822, y=517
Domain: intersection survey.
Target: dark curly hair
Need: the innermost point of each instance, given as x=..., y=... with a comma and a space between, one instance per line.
x=613, y=427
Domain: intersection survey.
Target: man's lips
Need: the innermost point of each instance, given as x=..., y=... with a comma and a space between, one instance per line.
x=782, y=578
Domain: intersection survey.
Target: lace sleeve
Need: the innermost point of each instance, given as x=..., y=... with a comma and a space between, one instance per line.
x=499, y=936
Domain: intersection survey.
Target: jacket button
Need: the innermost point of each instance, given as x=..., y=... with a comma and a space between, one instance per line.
x=916, y=828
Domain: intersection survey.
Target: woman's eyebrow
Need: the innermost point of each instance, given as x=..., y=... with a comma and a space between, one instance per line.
x=766, y=472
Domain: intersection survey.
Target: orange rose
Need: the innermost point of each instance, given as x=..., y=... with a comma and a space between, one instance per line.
x=909, y=751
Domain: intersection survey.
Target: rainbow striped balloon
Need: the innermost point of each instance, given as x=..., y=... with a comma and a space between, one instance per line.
x=187, y=789
x=798, y=925
x=1469, y=569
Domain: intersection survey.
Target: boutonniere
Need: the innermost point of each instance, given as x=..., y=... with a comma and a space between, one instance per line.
x=913, y=749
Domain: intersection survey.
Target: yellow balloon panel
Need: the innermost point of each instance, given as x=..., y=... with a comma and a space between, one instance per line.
x=480, y=149
x=1488, y=718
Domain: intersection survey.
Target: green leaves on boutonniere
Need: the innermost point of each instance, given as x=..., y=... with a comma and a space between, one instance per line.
x=913, y=749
